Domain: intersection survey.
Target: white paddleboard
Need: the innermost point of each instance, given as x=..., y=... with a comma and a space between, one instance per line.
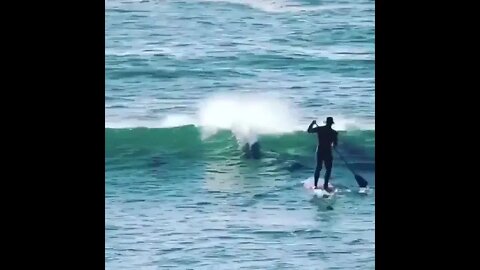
x=363, y=190
x=320, y=192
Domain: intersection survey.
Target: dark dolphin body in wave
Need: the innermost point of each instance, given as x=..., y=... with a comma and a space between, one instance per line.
x=252, y=151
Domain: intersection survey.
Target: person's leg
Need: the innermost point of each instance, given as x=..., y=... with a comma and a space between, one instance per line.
x=318, y=168
x=328, y=167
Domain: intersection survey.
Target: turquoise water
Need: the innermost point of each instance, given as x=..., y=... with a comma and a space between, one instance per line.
x=188, y=85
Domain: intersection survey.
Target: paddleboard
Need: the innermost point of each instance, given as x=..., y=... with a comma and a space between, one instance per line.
x=363, y=190
x=319, y=192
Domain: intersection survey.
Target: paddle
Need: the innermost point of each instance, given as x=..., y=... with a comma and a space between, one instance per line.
x=362, y=183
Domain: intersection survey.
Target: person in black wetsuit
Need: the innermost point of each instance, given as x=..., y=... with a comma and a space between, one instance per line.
x=326, y=138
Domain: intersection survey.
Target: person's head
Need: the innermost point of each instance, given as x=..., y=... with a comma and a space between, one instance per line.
x=329, y=122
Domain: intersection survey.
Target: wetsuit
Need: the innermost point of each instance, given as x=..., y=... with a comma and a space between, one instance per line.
x=326, y=138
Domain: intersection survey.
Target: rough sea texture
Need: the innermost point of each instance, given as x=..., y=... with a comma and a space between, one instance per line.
x=190, y=86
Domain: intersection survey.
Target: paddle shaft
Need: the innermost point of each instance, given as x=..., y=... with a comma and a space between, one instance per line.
x=345, y=161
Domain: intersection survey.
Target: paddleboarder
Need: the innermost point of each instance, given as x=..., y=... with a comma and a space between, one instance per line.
x=327, y=137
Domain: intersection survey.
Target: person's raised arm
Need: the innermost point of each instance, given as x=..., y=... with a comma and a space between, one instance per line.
x=311, y=129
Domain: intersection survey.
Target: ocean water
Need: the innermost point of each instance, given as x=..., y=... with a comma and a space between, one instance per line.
x=191, y=86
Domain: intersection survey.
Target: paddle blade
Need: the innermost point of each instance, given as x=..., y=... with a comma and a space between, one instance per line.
x=361, y=181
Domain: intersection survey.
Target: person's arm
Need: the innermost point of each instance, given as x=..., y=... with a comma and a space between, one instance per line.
x=311, y=129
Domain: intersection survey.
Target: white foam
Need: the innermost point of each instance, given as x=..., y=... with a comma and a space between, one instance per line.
x=281, y=6
x=176, y=120
x=247, y=115
x=343, y=123
x=264, y=5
